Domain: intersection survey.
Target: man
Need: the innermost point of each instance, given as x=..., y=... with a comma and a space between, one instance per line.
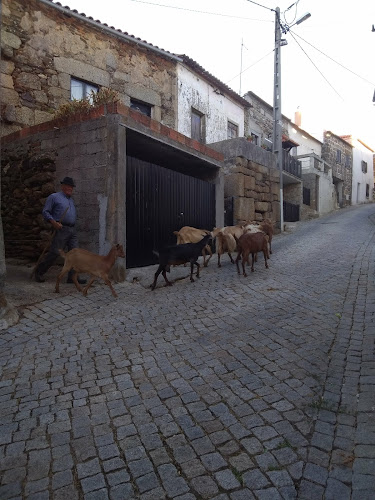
x=60, y=212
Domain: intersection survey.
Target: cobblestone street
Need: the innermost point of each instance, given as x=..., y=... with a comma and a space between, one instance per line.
x=229, y=388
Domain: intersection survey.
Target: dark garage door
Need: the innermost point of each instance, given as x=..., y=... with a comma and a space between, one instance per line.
x=158, y=202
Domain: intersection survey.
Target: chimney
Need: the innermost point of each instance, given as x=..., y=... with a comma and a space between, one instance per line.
x=297, y=117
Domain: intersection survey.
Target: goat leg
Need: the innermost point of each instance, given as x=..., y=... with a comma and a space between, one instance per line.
x=231, y=259
x=237, y=259
x=168, y=283
x=244, y=259
x=253, y=258
x=198, y=268
x=156, y=277
x=75, y=281
x=265, y=252
x=59, y=278
x=88, y=285
x=206, y=250
x=107, y=282
x=192, y=270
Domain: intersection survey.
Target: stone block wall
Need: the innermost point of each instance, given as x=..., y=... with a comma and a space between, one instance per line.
x=340, y=170
x=44, y=46
x=255, y=190
x=32, y=168
x=292, y=193
x=310, y=211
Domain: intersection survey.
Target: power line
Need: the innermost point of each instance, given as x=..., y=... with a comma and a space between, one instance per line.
x=201, y=11
x=316, y=67
x=256, y=62
x=259, y=5
x=347, y=69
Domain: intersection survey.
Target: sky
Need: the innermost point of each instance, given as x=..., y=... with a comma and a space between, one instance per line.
x=327, y=66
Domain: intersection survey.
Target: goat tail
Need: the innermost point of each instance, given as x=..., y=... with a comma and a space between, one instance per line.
x=62, y=253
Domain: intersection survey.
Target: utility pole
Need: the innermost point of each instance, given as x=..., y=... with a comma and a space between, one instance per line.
x=277, y=118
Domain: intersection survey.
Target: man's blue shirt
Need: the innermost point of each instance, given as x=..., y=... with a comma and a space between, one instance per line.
x=55, y=207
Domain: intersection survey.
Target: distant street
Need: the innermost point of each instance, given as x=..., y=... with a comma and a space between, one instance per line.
x=229, y=388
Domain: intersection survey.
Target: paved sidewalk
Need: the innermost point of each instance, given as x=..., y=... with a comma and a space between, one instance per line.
x=227, y=388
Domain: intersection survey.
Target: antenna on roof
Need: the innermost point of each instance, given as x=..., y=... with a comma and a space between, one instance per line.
x=242, y=45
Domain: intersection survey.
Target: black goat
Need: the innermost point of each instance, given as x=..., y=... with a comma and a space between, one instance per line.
x=179, y=254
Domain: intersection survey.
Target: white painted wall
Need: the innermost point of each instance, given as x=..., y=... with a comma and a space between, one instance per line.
x=307, y=144
x=326, y=197
x=195, y=92
x=360, y=179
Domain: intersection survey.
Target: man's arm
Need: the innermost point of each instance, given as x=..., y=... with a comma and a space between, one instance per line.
x=47, y=213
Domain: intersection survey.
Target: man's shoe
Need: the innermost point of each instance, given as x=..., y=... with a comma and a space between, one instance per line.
x=81, y=281
x=39, y=278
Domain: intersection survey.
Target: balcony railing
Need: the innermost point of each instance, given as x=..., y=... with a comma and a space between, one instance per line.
x=291, y=164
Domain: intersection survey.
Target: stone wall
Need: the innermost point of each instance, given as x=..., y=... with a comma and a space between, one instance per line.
x=255, y=189
x=43, y=46
x=33, y=167
x=28, y=177
x=340, y=171
x=259, y=119
x=310, y=211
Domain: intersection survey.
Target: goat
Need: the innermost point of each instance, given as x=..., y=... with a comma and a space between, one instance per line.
x=179, y=254
x=251, y=243
x=188, y=234
x=83, y=261
x=226, y=242
x=267, y=227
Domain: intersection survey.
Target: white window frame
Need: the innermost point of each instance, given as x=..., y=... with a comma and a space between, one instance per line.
x=85, y=89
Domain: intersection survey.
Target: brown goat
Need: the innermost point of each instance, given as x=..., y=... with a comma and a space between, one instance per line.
x=83, y=261
x=251, y=243
x=226, y=242
x=267, y=227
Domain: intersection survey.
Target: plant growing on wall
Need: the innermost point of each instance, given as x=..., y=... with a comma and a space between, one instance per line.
x=104, y=96
x=83, y=106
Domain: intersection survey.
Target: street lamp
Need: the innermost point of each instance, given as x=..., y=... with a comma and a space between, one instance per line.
x=277, y=117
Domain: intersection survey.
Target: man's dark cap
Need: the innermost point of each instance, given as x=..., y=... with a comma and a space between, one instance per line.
x=68, y=181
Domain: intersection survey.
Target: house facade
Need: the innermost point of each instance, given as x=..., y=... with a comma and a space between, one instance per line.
x=338, y=153
x=319, y=194
x=259, y=129
x=363, y=174
x=208, y=110
x=51, y=54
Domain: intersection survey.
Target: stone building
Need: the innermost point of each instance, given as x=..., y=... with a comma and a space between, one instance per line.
x=126, y=166
x=259, y=123
x=51, y=54
x=338, y=153
x=319, y=194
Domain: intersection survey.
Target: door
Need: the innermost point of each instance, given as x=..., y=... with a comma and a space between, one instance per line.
x=158, y=202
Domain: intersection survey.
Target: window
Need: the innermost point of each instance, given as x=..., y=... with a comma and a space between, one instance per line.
x=306, y=196
x=232, y=130
x=142, y=107
x=255, y=139
x=338, y=156
x=80, y=89
x=347, y=161
x=197, y=126
x=367, y=190
x=364, y=166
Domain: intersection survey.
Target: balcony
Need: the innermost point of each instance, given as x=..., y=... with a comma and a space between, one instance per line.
x=291, y=165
